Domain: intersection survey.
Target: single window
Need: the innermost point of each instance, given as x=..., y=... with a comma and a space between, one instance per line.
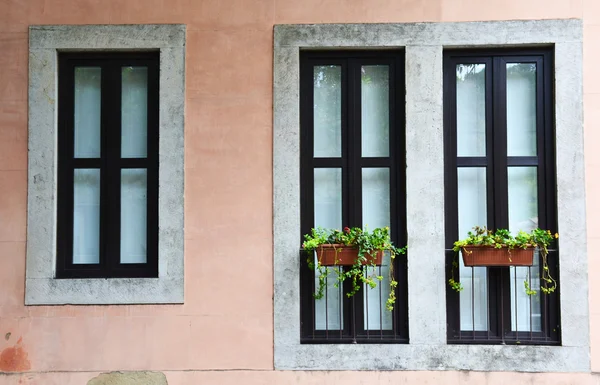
x=107, y=165
x=352, y=174
x=500, y=173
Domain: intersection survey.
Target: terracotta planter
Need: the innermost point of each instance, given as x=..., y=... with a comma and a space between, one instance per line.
x=340, y=255
x=491, y=256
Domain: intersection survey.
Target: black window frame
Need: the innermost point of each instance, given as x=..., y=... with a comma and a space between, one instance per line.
x=497, y=162
x=351, y=162
x=110, y=163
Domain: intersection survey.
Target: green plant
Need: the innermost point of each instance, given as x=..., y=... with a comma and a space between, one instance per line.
x=367, y=243
x=502, y=238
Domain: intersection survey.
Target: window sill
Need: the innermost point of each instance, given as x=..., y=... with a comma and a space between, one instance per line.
x=111, y=291
x=433, y=357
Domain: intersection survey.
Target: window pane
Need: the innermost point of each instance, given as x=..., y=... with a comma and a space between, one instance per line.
x=328, y=214
x=133, y=215
x=376, y=197
x=521, y=109
x=470, y=109
x=526, y=311
x=522, y=198
x=87, y=112
x=327, y=111
x=376, y=316
x=86, y=216
x=523, y=215
x=328, y=310
x=376, y=213
x=134, y=112
x=472, y=211
x=328, y=198
x=375, y=110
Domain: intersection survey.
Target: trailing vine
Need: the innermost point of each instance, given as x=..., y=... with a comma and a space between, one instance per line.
x=502, y=238
x=367, y=243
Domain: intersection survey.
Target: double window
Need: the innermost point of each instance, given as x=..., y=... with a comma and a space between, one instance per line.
x=499, y=173
x=107, y=165
x=352, y=174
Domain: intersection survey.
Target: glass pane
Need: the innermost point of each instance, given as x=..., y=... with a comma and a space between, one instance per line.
x=375, y=110
x=526, y=311
x=327, y=111
x=522, y=198
x=523, y=215
x=470, y=109
x=472, y=211
x=328, y=214
x=376, y=316
x=86, y=216
x=133, y=215
x=328, y=310
x=376, y=213
x=376, y=197
x=87, y=112
x=328, y=198
x=134, y=112
x=521, y=109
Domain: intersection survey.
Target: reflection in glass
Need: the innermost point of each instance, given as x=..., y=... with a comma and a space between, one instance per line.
x=86, y=216
x=134, y=198
x=521, y=109
x=375, y=110
x=470, y=109
x=327, y=94
x=472, y=211
x=134, y=112
x=87, y=112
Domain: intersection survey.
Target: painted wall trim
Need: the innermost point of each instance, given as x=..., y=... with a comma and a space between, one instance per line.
x=424, y=44
x=44, y=43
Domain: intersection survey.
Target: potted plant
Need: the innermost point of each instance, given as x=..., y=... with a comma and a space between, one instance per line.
x=483, y=247
x=353, y=248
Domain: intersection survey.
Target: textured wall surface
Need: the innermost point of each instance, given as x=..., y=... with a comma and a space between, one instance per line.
x=223, y=334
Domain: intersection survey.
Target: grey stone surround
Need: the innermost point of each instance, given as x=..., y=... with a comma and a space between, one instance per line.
x=424, y=44
x=44, y=43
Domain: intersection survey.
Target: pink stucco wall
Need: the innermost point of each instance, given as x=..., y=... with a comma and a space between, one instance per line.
x=227, y=321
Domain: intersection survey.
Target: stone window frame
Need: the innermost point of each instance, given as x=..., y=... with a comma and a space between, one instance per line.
x=42, y=288
x=428, y=349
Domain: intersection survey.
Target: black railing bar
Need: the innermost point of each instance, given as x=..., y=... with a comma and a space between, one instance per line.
x=380, y=302
x=516, y=307
x=530, y=304
x=502, y=331
x=366, y=296
x=327, y=304
x=341, y=305
x=473, y=298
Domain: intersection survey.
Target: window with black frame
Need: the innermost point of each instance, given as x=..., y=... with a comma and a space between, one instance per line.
x=353, y=174
x=107, y=165
x=500, y=173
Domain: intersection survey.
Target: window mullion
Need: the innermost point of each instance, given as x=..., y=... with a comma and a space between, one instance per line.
x=111, y=114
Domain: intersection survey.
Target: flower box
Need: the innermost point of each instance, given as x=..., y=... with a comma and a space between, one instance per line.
x=342, y=255
x=491, y=256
